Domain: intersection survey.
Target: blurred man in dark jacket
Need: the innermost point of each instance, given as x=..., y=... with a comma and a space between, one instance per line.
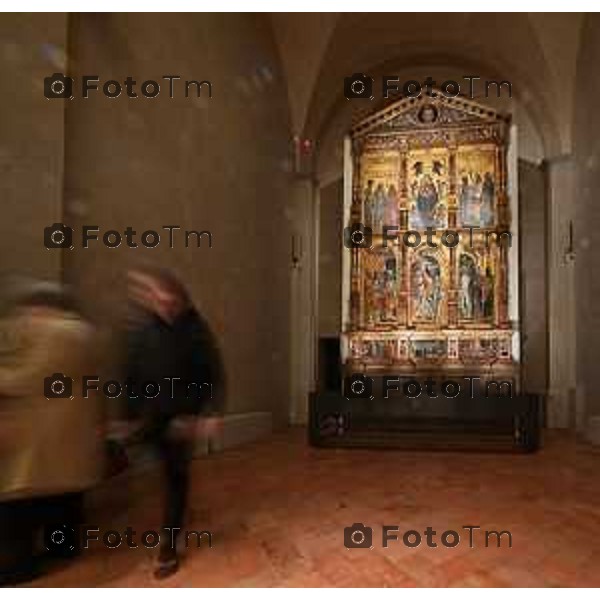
x=175, y=373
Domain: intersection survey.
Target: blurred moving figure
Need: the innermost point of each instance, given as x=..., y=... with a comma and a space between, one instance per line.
x=172, y=346
x=50, y=436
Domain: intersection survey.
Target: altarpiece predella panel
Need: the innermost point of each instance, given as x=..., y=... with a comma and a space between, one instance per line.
x=428, y=278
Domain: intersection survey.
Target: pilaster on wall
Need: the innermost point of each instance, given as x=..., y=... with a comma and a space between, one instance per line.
x=303, y=339
x=563, y=409
x=586, y=128
x=533, y=276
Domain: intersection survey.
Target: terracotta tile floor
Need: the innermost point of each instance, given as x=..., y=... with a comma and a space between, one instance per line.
x=277, y=510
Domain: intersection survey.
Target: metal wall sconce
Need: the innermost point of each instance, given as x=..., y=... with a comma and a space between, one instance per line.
x=569, y=255
x=296, y=250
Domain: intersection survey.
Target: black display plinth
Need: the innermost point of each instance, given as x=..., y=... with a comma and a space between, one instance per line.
x=479, y=424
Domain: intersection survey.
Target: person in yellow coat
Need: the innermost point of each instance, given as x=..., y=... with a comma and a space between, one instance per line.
x=50, y=435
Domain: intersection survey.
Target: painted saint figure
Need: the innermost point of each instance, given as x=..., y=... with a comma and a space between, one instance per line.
x=381, y=289
x=391, y=207
x=427, y=199
x=468, y=287
x=368, y=203
x=469, y=201
x=476, y=290
x=487, y=294
x=487, y=201
x=466, y=305
x=476, y=198
x=379, y=205
x=427, y=191
x=426, y=288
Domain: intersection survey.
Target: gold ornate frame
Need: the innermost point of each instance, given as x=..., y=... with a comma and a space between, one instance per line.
x=469, y=142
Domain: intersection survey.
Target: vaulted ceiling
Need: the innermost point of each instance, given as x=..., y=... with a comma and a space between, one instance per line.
x=536, y=52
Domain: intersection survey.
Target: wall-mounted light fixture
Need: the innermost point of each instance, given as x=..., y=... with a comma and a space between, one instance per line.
x=569, y=254
x=296, y=250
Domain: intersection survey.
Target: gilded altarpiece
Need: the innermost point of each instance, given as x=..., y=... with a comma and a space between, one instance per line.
x=429, y=284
